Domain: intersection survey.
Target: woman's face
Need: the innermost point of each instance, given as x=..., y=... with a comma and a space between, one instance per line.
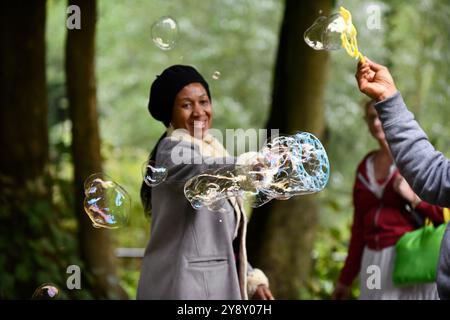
x=192, y=110
x=374, y=123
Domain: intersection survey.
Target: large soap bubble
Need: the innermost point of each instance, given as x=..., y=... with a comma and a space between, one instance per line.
x=334, y=32
x=165, y=33
x=285, y=167
x=325, y=33
x=106, y=203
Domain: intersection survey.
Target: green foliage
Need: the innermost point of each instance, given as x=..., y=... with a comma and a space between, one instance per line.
x=129, y=272
x=328, y=259
x=36, y=245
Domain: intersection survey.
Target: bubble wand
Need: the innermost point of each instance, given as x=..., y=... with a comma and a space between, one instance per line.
x=349, y=42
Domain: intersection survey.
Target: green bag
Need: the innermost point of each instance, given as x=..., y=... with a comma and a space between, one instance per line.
x=417, y=255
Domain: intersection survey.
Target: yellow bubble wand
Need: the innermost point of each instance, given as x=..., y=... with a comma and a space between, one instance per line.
x=348, y=36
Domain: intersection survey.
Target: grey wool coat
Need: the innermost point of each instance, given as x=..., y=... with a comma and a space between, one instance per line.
x=190, y=253
x=426, y=169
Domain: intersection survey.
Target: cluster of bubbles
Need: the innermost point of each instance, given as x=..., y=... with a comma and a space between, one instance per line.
x=165, y=33
x=106, y=203
x=46, y=291
x=153, y=175
x=286, y=166
x=325, y=32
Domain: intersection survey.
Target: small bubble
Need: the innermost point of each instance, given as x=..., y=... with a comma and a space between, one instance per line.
x=46, y=291
x=197, y=204
x=153, y=175
x=165, y=33
x=216, y=75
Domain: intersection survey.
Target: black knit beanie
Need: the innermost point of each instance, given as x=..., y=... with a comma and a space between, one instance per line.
x=165, y=88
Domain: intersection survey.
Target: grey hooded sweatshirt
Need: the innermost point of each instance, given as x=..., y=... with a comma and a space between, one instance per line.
x=426, y=169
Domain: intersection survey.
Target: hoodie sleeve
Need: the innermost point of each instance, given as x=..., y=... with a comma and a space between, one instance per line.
x=426, y=169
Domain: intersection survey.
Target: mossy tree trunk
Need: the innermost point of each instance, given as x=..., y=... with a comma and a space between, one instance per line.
x=96, y=244
x=25, y=197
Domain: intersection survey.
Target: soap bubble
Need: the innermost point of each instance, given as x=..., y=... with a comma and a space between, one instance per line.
x=325, y=33
x=106, y=203
x=165, y=33
x=153, y=175
x=47, y=291
x=334, y=32
x=216, y=75
x=286, y=166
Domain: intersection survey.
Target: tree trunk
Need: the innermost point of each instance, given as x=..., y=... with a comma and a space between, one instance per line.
x=24, y=100
x=281, y=233
x=95, y=244
x=24, y=184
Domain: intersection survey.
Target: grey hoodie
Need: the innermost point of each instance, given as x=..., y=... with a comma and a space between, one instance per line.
x=426, y=170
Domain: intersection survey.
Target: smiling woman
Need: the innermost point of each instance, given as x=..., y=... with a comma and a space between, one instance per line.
x=192, y=110
x=192, y=254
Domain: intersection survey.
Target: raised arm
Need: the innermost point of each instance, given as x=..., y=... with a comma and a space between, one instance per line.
x=426, y=169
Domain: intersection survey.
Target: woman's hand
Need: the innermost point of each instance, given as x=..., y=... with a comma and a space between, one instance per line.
x=375, y=80
x=341, y=292
x=402, y=188
x=262, y=293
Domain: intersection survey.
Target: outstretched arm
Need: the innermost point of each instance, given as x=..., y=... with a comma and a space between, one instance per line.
x=426, y=169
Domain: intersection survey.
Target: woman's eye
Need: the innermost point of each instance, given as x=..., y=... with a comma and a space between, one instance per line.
x=204, y=102
x=186, y=106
